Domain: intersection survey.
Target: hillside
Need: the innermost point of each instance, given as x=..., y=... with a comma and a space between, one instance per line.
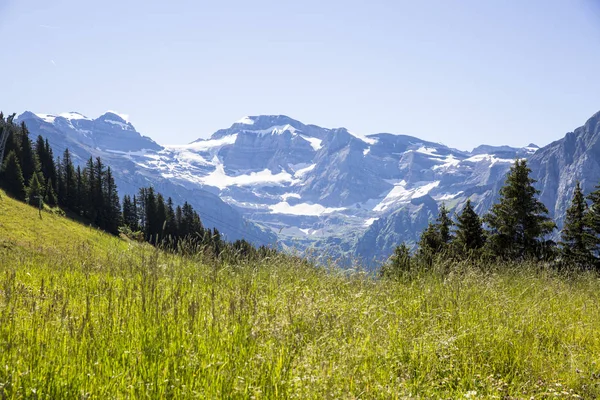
x=24, y=231
x=83, y=314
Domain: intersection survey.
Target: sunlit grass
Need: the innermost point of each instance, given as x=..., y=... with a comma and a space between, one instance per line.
x=83, y=314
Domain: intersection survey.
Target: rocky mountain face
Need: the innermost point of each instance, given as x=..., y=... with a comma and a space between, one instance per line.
x=270, y=177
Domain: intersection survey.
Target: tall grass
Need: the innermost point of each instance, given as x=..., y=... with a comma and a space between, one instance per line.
x=99, y=318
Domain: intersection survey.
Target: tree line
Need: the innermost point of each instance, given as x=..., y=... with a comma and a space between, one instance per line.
x=517, y=228
x=30, y=173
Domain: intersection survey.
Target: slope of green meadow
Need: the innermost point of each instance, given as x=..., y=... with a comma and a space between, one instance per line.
x=87, y=315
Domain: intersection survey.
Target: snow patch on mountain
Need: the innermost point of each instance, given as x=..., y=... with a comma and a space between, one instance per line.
x=47, y=117
x=275, y=130
x=489, y=158
x=401, y=194
x=286, y=196
x=205, y=144
x=305, y=209
x=370, y=221
x=303, y=171
x=123, y=126
x=316, y=143
x=73, y=116
x=124, y=117
x=245, y=121
x=219, y=179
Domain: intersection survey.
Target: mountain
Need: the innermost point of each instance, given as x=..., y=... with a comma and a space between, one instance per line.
x=133, y=159
x=330, y=189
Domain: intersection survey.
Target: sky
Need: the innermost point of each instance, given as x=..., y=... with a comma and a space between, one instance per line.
x=462, y=72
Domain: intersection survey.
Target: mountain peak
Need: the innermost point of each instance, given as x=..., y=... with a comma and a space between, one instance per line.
x=259, y=122
x=113, y=116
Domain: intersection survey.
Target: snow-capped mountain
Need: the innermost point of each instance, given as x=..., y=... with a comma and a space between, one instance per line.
x=135, y=160
x=340, y=192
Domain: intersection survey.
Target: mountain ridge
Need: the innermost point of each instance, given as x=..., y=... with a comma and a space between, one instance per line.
x=319, y=187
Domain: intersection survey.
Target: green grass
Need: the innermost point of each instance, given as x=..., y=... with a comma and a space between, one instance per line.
x=86, y=315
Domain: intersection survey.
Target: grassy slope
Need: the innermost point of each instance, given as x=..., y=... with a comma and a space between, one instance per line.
x=83, y=314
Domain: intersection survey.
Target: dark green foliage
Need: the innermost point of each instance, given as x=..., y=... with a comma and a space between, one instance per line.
x=577, y=239
x=35, y=190
x=27, y=157
x=111, y=215
x=470, y=236
x=50, y=196
x=46, y=160
x=519, y=222
x=398, y=264
x=130, y=217
x=444, y=225
x=11, y=177
x=67, y=187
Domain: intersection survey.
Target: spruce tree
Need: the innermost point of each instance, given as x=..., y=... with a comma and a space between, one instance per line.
x=35, y=190
x=46, y=160
x=519, y=222
x=112, y=206
x=593, y=223
x=128, y=216
x=399, y=263
x=67, y=193
x=50, y=197
x=11, y=177
x=444, y=224
x=577, y=240
x=469, y=233
x=29, y=162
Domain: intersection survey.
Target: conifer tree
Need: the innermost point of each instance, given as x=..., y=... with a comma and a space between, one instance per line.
x=469, y=233
x=112, y=206
x=519, y=222
x=80, y=190
x=35, y=190
x=577, y=240
x=430, y=243
x=11, y=177
x=129, y=213
x=46, y=160
x=67, y=191
x=400, y=262
x=444, y=224
x=171, y=227
x=29, y=162
x=50, y=197
x=161, y=218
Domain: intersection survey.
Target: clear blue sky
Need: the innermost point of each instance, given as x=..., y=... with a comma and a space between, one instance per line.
x=458, y=72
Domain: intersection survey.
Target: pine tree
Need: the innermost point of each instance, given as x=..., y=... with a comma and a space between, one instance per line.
x=80, y=191
x=400, y=262
x=577, y=240
x=50, y=197
x=112, y=206
x=46, y=160
x=170, y=227
x=129, y=218
x=519, y=222
x=469, y=233
x=161, y=217
x=11, y=177
x=67, y=191
x=444, y=224
x=29, y=162
x=35, y=190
